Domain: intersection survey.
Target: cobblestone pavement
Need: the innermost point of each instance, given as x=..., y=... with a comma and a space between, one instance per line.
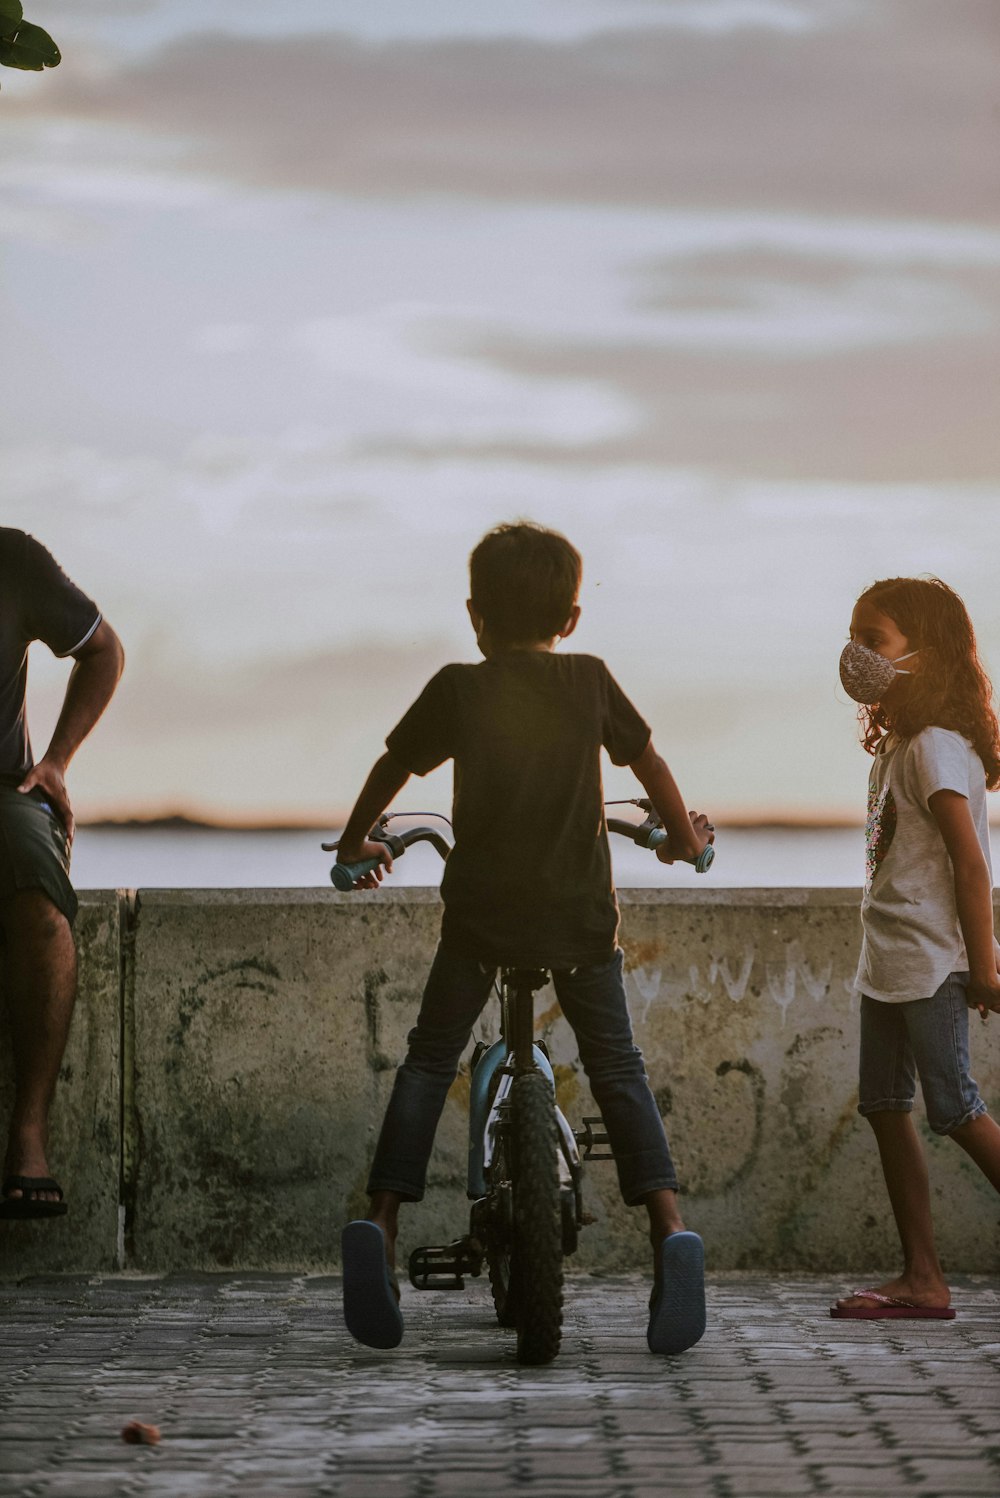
x=260, y=1393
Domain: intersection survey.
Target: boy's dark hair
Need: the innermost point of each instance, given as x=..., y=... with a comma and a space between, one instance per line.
x=524, y=580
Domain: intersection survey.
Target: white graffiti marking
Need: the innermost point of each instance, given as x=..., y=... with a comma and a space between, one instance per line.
x=648, y=980
x=735, y=987
x=782, y=978
x=781, y=984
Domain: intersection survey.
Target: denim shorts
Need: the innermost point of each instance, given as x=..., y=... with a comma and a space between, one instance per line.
x=34, y=849
x=926, y=1038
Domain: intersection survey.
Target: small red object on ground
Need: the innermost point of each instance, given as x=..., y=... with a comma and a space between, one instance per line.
x=137, y=1434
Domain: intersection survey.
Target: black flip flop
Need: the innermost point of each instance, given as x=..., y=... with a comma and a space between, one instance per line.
x=371, y=1291
x=677, y=1304
x=18, y=1208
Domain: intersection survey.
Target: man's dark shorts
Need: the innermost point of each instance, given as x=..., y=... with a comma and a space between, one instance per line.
x=34, y=851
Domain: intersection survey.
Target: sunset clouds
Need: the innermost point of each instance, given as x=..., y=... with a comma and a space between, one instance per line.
x=296, y=307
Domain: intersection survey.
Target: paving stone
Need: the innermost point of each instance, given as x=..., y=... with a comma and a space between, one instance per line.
x=259, y=1394
x=960, y=1472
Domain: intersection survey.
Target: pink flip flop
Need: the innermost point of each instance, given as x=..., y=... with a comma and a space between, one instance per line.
x=888, y=1308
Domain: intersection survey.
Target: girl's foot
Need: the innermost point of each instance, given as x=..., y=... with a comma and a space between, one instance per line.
x=932, y=1293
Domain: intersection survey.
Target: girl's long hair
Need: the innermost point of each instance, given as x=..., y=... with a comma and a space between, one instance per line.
x=951, y=689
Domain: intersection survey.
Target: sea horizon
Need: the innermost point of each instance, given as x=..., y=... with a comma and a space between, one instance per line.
x=180, y=821
x=189, y=856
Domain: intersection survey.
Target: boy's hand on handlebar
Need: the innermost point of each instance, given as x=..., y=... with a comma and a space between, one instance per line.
x=361, y=851
x=704, y=832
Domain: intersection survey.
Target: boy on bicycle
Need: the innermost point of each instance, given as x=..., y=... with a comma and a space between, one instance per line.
x=528, y=884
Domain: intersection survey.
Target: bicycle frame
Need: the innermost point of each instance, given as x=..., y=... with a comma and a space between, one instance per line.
x=507, y=1058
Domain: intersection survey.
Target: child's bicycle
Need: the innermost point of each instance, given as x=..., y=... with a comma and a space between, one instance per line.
x=525, y=1166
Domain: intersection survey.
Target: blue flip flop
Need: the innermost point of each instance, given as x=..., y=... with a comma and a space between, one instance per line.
x=677, y=1304
x=371, y=1291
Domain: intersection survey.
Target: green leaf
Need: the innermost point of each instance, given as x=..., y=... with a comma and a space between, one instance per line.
x=31, y=49
x=10, y=18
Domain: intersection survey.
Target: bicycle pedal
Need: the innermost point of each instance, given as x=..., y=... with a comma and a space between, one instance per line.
x=443, y=1267
x=589, y=1137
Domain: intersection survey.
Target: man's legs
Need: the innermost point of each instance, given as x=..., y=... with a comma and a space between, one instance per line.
x=40, y=984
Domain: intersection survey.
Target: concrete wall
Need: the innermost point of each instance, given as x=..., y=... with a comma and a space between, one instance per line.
x=233, y=1051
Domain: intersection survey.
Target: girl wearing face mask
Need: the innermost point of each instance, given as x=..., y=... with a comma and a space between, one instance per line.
x=928, y=952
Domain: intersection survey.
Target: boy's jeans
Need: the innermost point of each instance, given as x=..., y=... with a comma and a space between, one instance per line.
x=593, y=1000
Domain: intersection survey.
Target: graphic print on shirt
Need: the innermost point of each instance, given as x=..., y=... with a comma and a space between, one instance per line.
x=880, y=829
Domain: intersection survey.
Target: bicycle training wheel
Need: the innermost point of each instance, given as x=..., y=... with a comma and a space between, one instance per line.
x=537, y=1245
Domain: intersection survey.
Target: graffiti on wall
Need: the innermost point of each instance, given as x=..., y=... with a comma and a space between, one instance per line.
x=733, y=977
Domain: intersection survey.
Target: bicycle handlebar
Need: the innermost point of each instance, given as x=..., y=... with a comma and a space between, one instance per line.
x=645, y=836
x=344, y=875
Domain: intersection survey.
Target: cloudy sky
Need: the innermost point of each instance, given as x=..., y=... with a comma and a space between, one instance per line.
x=298, y=300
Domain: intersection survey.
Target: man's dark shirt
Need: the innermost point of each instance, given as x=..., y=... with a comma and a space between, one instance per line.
x=529, y=880
x=37, y=602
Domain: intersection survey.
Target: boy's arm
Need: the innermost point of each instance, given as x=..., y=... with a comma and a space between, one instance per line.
x=384, y=783
x=688, y=832
x=973, y=896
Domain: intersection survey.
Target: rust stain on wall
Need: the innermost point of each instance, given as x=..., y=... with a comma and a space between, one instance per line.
x=644, y=953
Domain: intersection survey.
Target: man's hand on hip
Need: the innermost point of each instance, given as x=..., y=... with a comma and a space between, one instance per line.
x=48, y=776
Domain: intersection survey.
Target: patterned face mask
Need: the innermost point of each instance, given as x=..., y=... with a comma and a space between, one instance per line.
x=867, y=676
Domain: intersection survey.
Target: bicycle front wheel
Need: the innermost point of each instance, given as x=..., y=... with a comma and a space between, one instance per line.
x=499, y=1238
x=537, y=1246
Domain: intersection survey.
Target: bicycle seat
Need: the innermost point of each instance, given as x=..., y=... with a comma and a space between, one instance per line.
x=526, y=977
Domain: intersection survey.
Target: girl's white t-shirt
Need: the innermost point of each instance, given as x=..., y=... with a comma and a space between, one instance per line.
x=912, y=938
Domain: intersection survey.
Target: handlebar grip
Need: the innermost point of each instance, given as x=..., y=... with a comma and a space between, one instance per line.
x=343, y=875
x=701, y=864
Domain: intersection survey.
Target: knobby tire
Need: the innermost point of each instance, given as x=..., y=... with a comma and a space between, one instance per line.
x=499, y=1262
x=537, y=1248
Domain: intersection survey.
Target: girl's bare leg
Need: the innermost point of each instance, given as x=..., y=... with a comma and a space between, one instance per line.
x=981, y=1141
x=905, y=1171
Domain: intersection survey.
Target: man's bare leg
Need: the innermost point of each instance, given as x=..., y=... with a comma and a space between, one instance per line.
x=40, y=984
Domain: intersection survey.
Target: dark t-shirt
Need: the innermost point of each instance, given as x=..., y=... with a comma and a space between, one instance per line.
x=529, y=880
x=37, y=602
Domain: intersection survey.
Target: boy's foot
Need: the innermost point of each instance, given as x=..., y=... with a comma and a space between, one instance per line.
x=677, y=1304
x=371, y=1290
x=902, y=1298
